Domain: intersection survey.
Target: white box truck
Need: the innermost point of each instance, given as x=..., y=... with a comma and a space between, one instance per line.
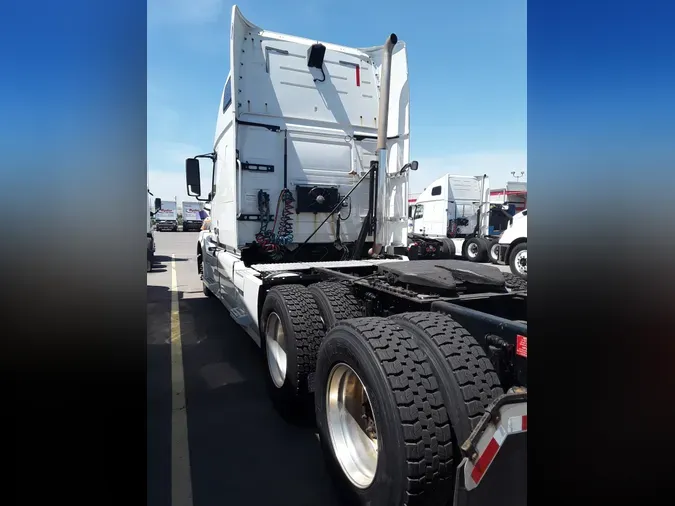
x=415, y=369
x=191, y=218
x=166, y=218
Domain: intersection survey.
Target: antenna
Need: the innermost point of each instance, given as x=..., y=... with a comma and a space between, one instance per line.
x=522, y=174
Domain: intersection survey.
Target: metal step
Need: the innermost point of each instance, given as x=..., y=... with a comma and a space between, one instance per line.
x=240, y=316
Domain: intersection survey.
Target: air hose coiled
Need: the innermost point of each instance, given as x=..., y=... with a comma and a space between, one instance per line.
x=285, y=233
x=267, y=239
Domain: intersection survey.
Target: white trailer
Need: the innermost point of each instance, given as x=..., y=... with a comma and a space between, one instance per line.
x=309, y=201
x=166, y=218
x=191, y=217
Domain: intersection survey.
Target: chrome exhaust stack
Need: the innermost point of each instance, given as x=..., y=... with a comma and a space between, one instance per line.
x=381, y=230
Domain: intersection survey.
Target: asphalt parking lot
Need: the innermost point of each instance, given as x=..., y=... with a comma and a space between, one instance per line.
x=241, y=453
x=213, y=437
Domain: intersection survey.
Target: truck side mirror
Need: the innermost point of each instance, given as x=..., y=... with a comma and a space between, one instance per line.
x=158, y=204
x=409, y=166
x=193, y=178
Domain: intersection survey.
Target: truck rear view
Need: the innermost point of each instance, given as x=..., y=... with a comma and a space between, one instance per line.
x=408, y=372
x=296, y=131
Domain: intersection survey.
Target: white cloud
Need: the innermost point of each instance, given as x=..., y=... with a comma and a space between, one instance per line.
x=497, y=165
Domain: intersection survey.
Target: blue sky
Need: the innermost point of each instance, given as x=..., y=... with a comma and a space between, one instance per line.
x=467, y=64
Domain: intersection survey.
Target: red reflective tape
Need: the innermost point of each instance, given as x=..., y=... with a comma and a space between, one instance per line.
x=509, y=192
x=358, y=75
x=524, y=422
x=484, y=460
x=521, y=346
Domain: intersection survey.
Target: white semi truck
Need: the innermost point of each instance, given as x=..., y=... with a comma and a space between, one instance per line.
x=191, y=216
x=454, y=216
x=451, y=217
x=166, y=218
x=413, y=381
x=513, y=245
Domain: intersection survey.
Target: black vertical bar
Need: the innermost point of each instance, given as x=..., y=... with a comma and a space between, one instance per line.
x=367, y=225
x=285, y=158
x=373, y=194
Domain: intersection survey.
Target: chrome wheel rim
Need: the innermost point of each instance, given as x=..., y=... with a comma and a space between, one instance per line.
x=472, y=250
x=521, y=262
x=351, y=425
x=494, y=252
x=275, y=341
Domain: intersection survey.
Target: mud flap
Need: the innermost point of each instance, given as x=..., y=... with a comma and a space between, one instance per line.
x=494, y=468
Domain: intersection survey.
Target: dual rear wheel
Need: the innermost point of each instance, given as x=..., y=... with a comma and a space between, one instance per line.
x=392, y=397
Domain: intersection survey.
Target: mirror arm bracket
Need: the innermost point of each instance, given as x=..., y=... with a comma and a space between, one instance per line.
x=210, y=156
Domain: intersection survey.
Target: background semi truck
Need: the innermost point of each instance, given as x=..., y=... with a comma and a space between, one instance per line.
x=452, y=209
x=454, y=216
x=150, y=230
x=417, y=371
x=191, y=217
x=166, y=218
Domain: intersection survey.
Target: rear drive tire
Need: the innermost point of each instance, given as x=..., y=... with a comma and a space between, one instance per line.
x=447, y=249
x=402, y=402
x=493, y=252
x=335, y=301
x=468, y=381
x=518, y=260
x=475, y=249
x=291, y=332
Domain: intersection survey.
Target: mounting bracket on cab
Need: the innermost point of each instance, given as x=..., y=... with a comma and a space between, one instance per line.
x=252, y=217
x=257, y=167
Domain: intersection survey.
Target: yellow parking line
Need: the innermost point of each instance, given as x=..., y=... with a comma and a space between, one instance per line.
x=181, y=482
